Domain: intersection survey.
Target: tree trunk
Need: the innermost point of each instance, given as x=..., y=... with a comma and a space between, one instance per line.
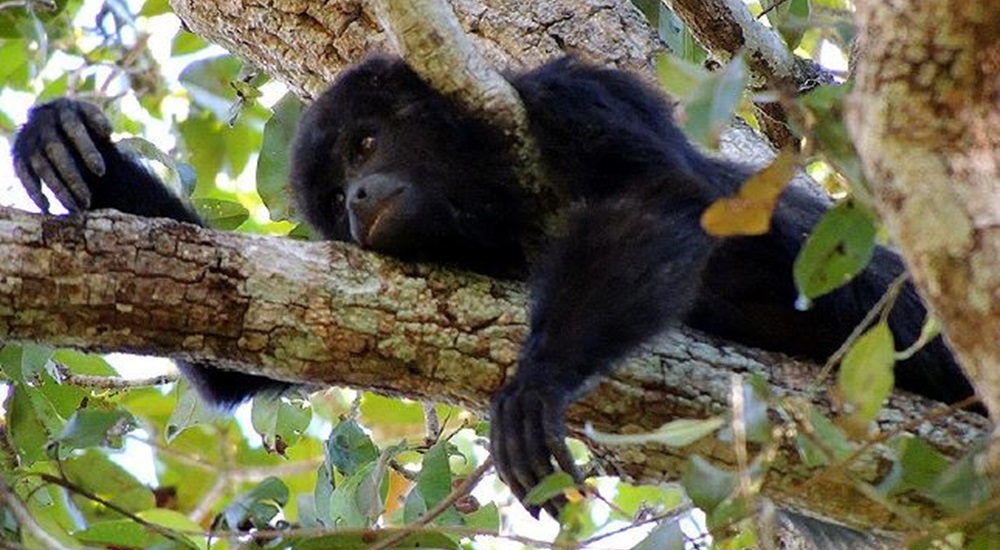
x=926, y=118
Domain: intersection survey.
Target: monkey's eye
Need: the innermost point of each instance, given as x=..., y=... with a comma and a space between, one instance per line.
x=363, y=150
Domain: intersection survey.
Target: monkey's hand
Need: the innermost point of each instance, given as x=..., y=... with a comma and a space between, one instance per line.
x=528, y=437
x=60, y=147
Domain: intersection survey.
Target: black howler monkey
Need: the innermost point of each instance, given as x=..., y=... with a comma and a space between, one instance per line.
x=384, y=161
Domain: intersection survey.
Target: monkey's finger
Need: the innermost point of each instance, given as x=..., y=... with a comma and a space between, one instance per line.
x=95, y=119
x=61, y=159
x=500, y=452
x=40, y=165
x=536, y=460
x=555, y=439
x=77, y=133
x=32, y=185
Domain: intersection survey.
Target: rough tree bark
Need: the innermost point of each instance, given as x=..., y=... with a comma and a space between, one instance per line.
x=328, y=313
x=926, y=118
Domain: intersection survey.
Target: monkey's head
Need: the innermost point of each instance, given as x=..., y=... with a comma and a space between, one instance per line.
x=383, y=160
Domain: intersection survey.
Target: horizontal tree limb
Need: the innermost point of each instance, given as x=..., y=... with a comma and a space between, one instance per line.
x=330, y=313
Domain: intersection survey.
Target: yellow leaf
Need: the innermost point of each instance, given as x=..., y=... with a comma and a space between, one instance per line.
x=749, y=211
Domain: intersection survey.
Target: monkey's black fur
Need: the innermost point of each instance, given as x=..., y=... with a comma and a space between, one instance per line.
x=383, y=160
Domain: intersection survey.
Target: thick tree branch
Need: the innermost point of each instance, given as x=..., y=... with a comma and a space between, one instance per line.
x=925, y=117
x=333, y=314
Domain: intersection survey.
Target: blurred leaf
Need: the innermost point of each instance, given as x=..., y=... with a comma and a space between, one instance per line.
x=152, y=8
x=961, y=486
x=630, y=499
x=749, y=211
x=177, y=523
x=187, y=43
x=711, y=106
x=667, y=535
x=118, y=533
x=356, y=501
x=257, y=507
x=189, y=411
x=15, y=23
x=826, y=439
x=352, y=541
x=865, y=378
x=276, y=417
x=83, y=363
x=101, y=476
x=706, y=485
x=676, y=433
x=15, y=71
x=825, y=105
x=553, y=485
x=208, y=83
x=349, y=448
x=918, y=467
x=95, y=427
x=790, y=18
x=434, y=482
x=838, y=248
x=486, y=518
x=29, y=423
x=681, y=79
x=221, y=214
x=144, y=148
x=273, y=163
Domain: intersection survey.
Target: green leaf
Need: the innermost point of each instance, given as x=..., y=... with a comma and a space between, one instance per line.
x=680, y=78
x=277, y=417
x=187, y=43
x=791, y=18
x=434, y=482
x=352, y=541
x=666, y=536
x=833, y=440
x=712, y=105
x=838, y=248
x=208, y=83
x=632, y=498
x=83, y=363
x=553, y=485
x=118, y=533
x=826, y=105
x=178, y=523
x=865, y=378
x=273, y=163
x=94, y=427
x=27, y=427
x=677, y=433
x=152, y=8
x=356, y=502
x=349, y=448
x=189, y=411
x=486, y=518
x=961, y=487
x=99, y=475
x=17, y=22
x=15, y=71
x=706, y=485
x=918, y=467
x=221, y=214
x=257, y=507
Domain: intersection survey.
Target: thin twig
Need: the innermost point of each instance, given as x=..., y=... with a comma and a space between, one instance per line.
x=462, y=490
